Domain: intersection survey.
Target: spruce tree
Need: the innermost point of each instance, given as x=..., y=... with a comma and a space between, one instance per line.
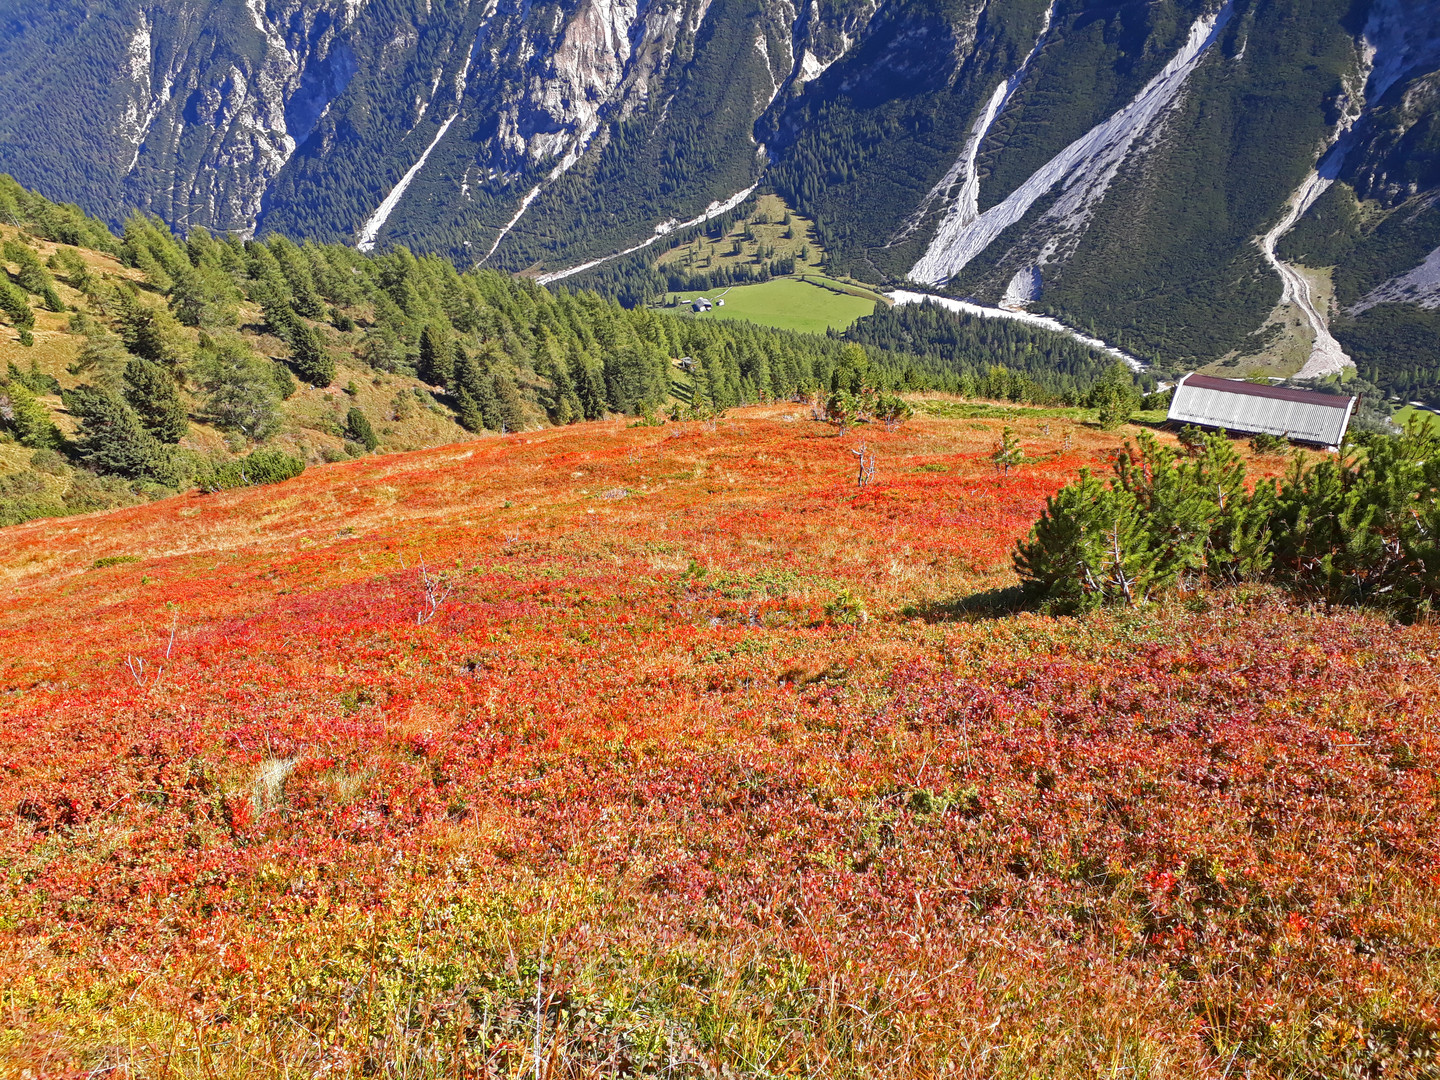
x=437, y=358
x=558, y=399
x=148, y=332
x=111, y=438
x=476, y=384
x=507, y=403
x=151, y=392
x=589, y=387
x=358, y=429
x=309, y=357
x=296, y=270
x=468, y=411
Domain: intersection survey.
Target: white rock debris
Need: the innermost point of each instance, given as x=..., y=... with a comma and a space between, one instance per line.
x=966, y=208
x=365, y=241
x=370, y=231
x=524, y=205
x=1326, y=355
x=140, y=107
x=810, y=67
x=1401, y=36
x=1024, y=288
x=1084, y=168
x=903, y=296
x=1420, y=285
x=665, y=228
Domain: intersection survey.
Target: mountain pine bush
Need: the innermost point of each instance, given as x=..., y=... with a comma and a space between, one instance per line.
x=258, y=467
x=1361, y=528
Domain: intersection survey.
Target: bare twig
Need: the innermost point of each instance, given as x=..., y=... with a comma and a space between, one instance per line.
x=136, y=664
x=437, y=588
x=866, y=465
x=539, y=982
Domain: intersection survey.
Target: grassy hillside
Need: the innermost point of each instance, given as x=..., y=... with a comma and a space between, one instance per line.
x=789, y=304
x=733, y=767
x=136, y=366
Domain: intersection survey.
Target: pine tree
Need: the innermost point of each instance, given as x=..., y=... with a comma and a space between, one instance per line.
x=151, y=392
x=103, y=358
x=72, y=269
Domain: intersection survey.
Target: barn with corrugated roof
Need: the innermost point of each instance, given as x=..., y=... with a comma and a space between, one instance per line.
x=1248, y=408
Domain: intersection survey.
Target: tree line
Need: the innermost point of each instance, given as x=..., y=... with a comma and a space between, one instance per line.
x=225, y=331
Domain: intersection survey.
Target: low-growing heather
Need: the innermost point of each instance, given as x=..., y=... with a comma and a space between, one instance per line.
x=643, y=793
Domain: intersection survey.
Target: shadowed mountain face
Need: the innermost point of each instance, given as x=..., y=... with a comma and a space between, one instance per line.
x=1115, y=164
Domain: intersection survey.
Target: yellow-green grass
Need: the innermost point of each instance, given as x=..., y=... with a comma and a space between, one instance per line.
x=1425, y=416
x=766, y=227
x=789, y=304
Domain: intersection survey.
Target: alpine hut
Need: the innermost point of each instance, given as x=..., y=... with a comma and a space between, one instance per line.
x=1251, y=408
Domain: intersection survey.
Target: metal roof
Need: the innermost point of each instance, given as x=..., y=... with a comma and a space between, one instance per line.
x=1251, y=408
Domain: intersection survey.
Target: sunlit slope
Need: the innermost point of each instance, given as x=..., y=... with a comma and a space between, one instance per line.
x=735, y=767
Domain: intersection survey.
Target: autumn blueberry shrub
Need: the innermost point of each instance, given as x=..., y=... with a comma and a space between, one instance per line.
x=631, y=803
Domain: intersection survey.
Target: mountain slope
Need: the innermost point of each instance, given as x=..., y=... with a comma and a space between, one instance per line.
x=1109, y=162
x=742, y=771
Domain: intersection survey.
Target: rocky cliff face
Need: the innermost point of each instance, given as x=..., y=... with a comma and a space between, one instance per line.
x=1149, y=170
x=307, y=114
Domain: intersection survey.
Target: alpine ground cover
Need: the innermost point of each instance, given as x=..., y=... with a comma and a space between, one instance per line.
x=614, y=751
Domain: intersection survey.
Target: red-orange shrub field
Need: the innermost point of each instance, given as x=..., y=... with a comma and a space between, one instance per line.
x=616, y=751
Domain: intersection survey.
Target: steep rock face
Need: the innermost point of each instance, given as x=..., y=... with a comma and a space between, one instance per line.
x=431, y=121
x=191, y=109
x=1376, y=227
x=1151, y=170
x=1111, y=164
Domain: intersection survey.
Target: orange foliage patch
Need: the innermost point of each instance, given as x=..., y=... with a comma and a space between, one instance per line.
x=705, y=750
